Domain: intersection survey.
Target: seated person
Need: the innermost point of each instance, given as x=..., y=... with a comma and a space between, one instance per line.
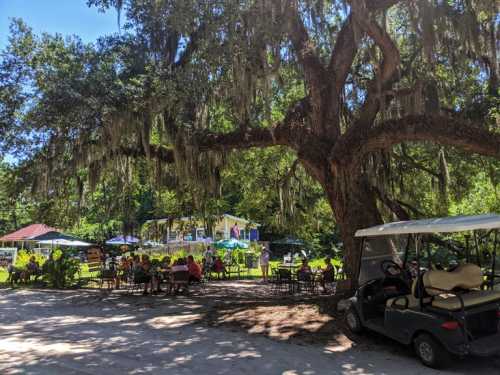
x=219, y=267
x=14, y=274
x=32, y=269
x=327, y=274
x=304, y=272
x=161, y=273
x=135, y=263
x=142, y=272
x=165, y=263
x=124, y=268
x=178, y=266
x=194, y=270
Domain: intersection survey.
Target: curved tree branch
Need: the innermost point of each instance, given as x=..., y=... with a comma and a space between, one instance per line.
x=343, y=54
x=346, y=45
x=388, y=71
x=317, y=81
x=353, y=147
x=306, y=50
x=288, y=132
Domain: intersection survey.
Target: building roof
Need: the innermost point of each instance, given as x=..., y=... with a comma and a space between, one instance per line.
x=26, y=233
x=437, y=225
x=189, y=218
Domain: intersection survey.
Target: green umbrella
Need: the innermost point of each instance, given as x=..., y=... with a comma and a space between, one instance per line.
x=231, y=244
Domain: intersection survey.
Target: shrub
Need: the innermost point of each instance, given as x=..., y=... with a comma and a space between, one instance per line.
x=60, y=269
x=23, y=258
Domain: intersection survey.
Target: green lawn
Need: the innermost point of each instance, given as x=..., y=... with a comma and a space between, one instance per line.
x=253, y=273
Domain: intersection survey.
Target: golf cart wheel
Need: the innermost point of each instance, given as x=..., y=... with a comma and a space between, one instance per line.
x=431, y=352
x=352, y=320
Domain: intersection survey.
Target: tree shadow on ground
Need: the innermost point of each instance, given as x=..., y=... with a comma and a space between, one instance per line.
x=99, y=332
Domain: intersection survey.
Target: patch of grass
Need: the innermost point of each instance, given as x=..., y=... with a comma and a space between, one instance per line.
x=3, y=275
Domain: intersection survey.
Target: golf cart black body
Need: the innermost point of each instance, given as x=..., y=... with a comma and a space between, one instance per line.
x=440, y=312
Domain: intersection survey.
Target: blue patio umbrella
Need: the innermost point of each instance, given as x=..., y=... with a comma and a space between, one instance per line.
x=231, y=244
x=122, y=240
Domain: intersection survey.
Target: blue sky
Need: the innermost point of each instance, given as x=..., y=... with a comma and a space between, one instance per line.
x=67, y=17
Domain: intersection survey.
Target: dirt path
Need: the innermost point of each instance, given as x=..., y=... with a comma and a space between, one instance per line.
x=89, y=332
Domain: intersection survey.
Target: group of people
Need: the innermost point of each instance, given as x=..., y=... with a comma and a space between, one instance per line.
x=213, y=263
x=144, y=272
x=32, y=269
x=327, y=274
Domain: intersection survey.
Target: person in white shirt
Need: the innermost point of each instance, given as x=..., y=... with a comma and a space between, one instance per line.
x=264, y=263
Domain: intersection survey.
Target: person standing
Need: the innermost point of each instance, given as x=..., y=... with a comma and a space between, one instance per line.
x=208, y=252
x=235, y=231
x=264, y=263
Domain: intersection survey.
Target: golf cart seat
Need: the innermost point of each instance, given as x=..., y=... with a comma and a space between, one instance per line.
x=473, y=298
x=467, y=278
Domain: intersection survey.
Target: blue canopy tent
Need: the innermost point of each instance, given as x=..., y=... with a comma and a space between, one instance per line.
x=123, y=240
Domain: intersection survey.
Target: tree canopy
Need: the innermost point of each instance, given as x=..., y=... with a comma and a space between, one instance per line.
x=381, y=108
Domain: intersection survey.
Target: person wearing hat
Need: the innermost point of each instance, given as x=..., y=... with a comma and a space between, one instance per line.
x=264, y=263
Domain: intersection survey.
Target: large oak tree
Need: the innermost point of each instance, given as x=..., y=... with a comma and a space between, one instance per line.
x=331, y=80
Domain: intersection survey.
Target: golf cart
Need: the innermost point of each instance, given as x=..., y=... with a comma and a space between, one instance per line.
x=415, y=301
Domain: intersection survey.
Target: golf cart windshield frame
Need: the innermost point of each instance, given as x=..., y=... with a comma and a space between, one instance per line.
x=418, y=228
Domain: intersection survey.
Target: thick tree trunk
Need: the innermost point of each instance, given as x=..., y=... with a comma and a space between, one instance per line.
x=354, y=205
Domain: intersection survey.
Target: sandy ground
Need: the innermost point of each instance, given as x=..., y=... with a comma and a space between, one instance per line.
x=232, y=328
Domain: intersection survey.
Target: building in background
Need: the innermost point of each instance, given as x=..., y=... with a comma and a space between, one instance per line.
x=168, y=230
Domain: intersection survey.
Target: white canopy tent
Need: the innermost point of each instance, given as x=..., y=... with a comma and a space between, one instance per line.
x=64, y=242
x=437, y=225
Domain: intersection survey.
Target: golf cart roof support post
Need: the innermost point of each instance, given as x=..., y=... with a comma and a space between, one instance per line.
x=362, y=246
x=495, y=243
x=417, y=255
x=467, y=248
x=407, y=247
x=476, y=243
x=429, y=259
x=494, y=260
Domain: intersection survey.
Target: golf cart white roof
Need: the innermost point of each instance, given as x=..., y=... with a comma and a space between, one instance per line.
x=437, y=225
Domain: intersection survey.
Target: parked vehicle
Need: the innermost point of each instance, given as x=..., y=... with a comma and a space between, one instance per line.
x=442, y=312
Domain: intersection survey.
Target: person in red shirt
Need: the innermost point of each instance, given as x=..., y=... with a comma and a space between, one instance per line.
x=194, y=270
x=219, y=267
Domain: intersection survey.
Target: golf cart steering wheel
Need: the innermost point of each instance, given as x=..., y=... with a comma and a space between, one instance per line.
x=390, y=268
